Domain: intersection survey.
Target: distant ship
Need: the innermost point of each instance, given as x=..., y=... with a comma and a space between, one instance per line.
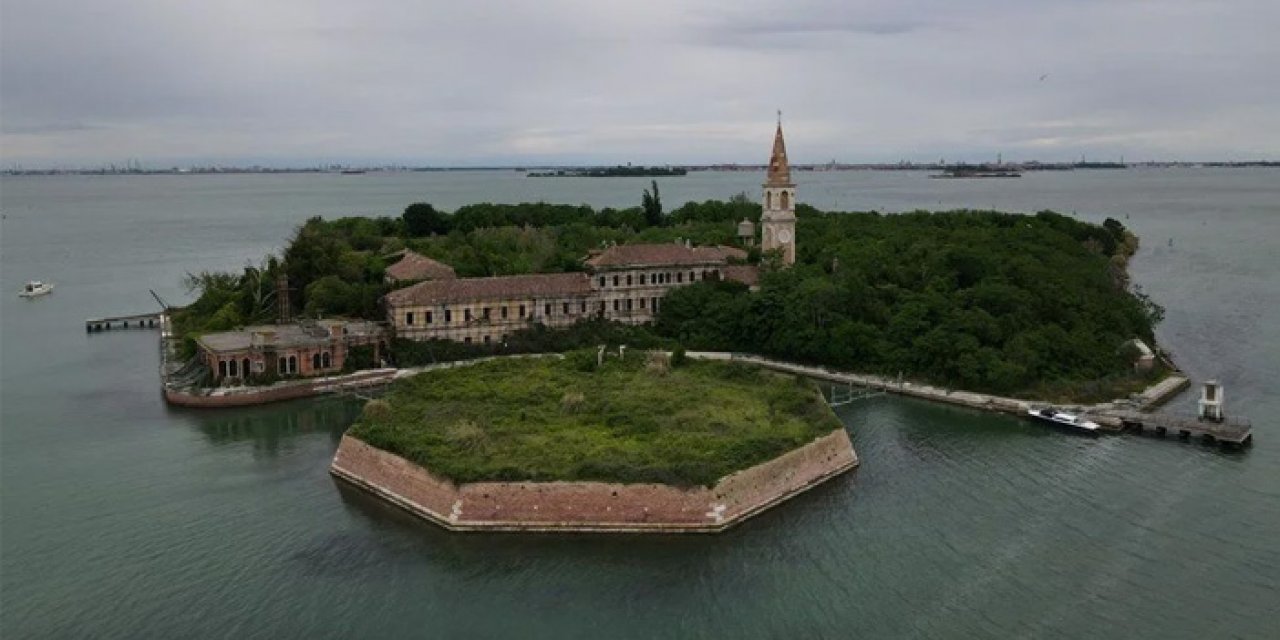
x=353, y=172
x=980, y=171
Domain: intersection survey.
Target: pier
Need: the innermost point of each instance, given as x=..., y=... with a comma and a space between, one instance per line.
x=1230, y=431
x=136, y=321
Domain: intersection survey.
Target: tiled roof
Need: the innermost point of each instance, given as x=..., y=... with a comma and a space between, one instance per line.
x=415, y=266
x=527, y=286
x=747, y=274
x=661, y=255
x=284, y=336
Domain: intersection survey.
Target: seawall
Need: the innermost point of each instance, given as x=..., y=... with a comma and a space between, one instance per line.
x=246, y=396
x=592, y=506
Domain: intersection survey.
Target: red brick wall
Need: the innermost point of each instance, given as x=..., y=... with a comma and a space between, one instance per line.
x=592, y=505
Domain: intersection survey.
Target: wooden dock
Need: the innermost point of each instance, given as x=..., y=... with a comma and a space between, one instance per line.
x=1232, y=431
x=136, y=321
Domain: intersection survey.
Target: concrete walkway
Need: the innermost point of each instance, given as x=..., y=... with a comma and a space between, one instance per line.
x=1106, y=415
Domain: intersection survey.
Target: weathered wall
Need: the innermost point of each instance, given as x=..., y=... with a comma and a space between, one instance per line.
x=246, y=396
x=592, y=506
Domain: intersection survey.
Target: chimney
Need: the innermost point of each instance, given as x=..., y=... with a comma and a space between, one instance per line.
x=282, y=295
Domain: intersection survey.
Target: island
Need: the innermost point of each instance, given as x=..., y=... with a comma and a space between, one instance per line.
x=619, y=171
x=592, y=441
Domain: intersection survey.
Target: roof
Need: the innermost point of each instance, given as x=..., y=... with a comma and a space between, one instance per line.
x=779, y=174
x=747, y=274
x=526, y=286
x=661, y=255
x=283, y=336
x=415, y=266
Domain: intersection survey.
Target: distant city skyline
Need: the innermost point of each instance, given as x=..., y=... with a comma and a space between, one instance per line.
x=302, y=83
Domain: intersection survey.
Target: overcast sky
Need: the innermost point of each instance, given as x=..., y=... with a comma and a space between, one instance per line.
x=471, y=82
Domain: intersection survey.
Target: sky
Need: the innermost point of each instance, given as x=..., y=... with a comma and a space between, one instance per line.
x=477, y=82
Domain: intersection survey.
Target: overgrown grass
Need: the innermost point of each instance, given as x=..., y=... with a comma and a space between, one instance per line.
x=549, y=419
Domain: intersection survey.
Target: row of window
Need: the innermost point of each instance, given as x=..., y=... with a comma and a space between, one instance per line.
x=661, y=277
x=619, y=305
x=629, y=304
x=486, y=313
x=238, y=368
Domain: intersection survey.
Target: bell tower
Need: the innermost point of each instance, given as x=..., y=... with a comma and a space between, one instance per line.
x=778, y=220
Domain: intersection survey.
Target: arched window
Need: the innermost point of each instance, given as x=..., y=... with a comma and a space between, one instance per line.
x=315, y=361
x=293, y=364
x=222, y=368
x=232, y=369
x=786, y=199
x=326, y=360
x=768, y=199
x=284, y=366
x=244, y=370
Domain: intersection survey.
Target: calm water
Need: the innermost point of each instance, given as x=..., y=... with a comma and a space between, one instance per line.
x=123, y=518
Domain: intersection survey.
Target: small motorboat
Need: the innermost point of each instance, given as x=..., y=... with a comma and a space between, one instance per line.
x=1063, y=419
x=35, y=288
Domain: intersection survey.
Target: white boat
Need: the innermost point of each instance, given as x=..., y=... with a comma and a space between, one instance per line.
x=36, y=288
x=1061, y=418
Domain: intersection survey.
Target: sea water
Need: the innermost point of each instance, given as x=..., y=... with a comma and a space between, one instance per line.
x=121, y=517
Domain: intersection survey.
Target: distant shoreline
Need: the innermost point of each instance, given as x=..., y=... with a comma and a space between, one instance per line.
x=673, y=170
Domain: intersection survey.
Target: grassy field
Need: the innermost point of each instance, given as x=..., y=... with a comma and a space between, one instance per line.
x=638, y=420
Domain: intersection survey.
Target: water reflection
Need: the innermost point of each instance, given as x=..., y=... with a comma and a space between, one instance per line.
x=268, y=427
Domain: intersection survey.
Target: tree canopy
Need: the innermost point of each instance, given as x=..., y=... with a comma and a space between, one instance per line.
x=975, y=299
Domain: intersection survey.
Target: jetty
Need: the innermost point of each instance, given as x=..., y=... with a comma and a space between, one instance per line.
x=135, y=321
x=1230, y=431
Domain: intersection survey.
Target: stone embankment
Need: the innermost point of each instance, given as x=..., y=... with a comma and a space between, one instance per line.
x=1107, y=415
x=592, y=506
x=242, y=396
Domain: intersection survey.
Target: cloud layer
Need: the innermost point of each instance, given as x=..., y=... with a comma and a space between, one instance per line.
x=569, y=81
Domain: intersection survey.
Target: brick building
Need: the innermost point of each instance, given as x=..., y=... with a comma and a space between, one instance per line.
x=303, y=349
x=623, y=283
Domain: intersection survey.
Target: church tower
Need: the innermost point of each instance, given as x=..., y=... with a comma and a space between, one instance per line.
x=778, y=221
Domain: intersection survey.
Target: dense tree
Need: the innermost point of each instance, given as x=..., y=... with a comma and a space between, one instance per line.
x=651, y=203
x=422, y=219
x=979, y=300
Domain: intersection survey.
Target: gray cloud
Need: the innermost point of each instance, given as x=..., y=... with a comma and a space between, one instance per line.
x=290, y=81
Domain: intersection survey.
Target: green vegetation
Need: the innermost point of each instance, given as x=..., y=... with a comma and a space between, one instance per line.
x=634, y=420
x=978, y=300
x=336, y=267
x=538, y=339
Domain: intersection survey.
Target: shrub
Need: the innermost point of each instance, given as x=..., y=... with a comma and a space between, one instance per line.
x=572, y=401
x=657, y=363
x=468, y=436
x=376, y=411
x=678, y=357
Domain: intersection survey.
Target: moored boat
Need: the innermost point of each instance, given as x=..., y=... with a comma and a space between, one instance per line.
x=1064, y=420
x=36, y=288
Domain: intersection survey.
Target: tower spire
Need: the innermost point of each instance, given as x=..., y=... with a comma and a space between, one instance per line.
x=778, y=208
x=779, y=174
